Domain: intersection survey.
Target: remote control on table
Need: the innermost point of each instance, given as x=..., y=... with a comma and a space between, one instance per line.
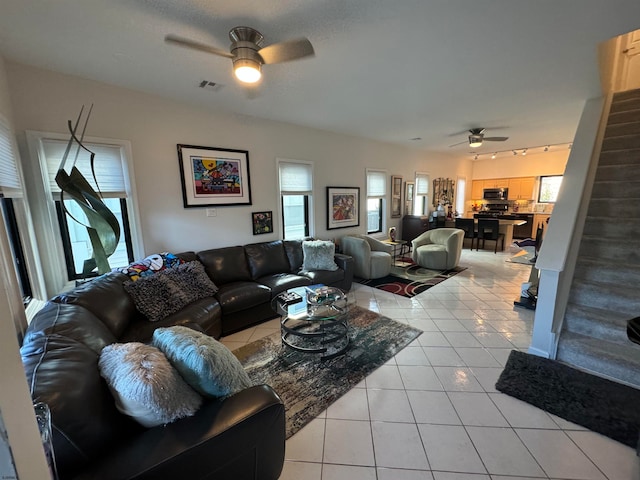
x=289, y=298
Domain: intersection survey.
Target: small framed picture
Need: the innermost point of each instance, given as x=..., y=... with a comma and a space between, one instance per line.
x=262, y=222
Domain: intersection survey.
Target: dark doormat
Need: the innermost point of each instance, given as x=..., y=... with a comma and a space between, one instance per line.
x=601, y=405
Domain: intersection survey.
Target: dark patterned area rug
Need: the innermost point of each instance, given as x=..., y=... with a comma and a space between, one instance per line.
x=606, y=407
x=410, y=279
x=307, y=385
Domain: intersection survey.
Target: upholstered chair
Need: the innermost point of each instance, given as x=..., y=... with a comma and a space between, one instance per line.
x=438, y=249
x=371, y=257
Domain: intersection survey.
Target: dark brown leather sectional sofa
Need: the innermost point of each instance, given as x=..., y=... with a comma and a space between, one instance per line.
x=240, y=437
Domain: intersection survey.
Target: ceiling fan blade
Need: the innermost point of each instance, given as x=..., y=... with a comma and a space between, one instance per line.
x=496, y=139
x=459, y=143
x=287, y=51
x=185, y=42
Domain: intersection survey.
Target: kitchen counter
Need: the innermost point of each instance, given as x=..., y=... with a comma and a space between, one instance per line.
x=505, y=227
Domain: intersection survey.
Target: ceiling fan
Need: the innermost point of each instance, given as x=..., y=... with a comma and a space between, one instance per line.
x=248, y=54
x=477, y=137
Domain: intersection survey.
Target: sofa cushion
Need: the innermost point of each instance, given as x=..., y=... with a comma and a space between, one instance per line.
x=225, y=265
x=266, y=258
x=280, y=282
x=205, y=313
x=318, y=255
x=237, y=296
x=206, y=365
x=324, y=277
x=168, y=291
x=145, y=385
x=63, y=373
x=293, y=249
x=106, y=298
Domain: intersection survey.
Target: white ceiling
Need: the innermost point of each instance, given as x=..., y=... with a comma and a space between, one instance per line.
x=389, y=70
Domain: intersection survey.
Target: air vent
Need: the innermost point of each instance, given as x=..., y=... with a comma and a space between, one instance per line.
x=207, y=85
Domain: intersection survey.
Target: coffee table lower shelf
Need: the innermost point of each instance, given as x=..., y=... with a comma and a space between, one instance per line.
x=329, y=337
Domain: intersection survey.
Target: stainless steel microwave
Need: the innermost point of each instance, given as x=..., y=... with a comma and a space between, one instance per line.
x=496, y=194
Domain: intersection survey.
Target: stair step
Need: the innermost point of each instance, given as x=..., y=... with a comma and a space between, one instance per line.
x=595, y=270
x=604, y=296
x=624, y=142
x=620, y=129
x=628, y=173
x=607, y=359
x=620, y=157
x=597, y=323
x=627, y=104
x=623, y=117
x=623, y=251
x=616, y=189
x=613, y=207
x=626, y=95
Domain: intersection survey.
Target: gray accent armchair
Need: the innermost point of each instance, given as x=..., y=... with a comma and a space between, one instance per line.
x=438, y=249
x=372, y=258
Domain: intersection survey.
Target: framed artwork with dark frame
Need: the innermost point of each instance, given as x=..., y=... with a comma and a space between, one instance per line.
x=214, y=176
x=409, y=189
x=396, y=196
x=343, y=207
x=262, y=222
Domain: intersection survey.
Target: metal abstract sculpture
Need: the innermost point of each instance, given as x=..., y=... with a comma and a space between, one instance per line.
x=101, y=224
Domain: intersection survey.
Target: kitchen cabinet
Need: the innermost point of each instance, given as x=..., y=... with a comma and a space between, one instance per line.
x=496, y=183
x=477, y=186
x=521, y=188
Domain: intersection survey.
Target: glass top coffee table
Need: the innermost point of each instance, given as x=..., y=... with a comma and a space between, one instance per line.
x=317, y=323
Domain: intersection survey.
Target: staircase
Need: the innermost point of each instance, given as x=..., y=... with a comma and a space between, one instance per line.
x=605, y=291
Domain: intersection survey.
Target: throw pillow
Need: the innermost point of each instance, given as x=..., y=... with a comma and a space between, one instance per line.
x=150, y=265
x=206, y=365
x=168, y=291
x=318, y=255
x=145, y=385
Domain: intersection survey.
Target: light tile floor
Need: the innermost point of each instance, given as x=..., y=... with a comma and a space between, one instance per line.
x=432, y=412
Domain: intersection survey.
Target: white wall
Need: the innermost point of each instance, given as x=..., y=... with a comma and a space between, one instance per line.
x=552, y=162
x=43, y=100
x=15, y=401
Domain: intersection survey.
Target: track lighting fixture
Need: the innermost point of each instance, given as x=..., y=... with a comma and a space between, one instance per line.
x=523, y=151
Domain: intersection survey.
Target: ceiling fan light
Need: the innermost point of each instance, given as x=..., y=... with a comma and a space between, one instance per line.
x=247, y=70
x=475, y=141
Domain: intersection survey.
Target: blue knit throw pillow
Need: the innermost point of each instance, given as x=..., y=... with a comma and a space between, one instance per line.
x=206, y=365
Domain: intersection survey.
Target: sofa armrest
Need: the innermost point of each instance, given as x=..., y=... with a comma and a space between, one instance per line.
x=346, y=263
x=242, y=436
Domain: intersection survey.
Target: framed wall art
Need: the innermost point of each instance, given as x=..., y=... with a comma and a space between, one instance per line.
x=409, y=193
x=214, y=176
x=262, y=222
x=396, y=196
x=343, y=207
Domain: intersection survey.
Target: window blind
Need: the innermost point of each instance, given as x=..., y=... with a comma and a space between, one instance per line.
x=10, y=185
x=296, y=178
x=108, y=165
x=376, y=183
x=422, y=184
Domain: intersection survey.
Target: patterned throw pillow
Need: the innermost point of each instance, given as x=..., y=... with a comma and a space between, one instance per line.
x=145, y=385
x=168, y=291
x=318, y=255
x=150, y=265
x=206, y=365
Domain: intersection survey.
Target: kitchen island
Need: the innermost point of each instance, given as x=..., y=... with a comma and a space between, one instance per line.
x=505, y=227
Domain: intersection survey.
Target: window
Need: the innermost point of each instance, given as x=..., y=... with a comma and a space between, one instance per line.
x=421, y=204
x=549, y=188
x=110, y=171
x=376, y=191
x=10, y=190
x=296, y=188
